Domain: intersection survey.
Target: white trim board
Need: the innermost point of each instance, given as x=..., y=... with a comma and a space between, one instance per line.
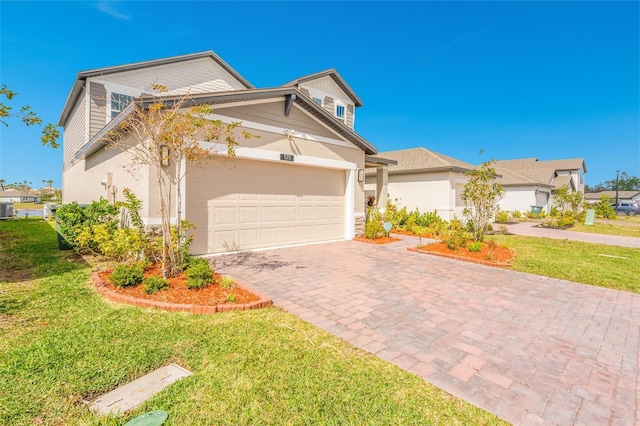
x=274, y=156
x=281, y=130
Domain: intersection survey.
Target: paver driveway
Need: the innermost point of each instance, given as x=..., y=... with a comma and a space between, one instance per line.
x=531, y=349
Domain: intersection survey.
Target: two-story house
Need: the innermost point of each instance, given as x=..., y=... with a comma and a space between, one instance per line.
x=301, y=181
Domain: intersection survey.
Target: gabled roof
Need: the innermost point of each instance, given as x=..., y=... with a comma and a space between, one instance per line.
x=415, y=160
x=97, y=142
x=562, y=180
x=508, y=177
x=335, y=76
x=611, y=194
x=530, y=171
x=76, y=90
x=16, y=193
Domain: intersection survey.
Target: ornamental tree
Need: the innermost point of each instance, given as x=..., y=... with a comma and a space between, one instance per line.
x=171, y=136
x=481, y=195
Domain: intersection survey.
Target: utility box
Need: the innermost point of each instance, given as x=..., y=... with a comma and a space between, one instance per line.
x=6, y=210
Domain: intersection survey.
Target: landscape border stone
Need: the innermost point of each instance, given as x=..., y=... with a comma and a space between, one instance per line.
x=104, y=289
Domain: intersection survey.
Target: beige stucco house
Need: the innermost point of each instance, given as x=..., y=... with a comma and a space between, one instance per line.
x=421, y=179
x=12, y=196
x=623, y=196
x=297, y=183
x=530, y=183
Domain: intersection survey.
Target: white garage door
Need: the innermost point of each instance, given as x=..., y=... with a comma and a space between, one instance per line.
x=254, y=204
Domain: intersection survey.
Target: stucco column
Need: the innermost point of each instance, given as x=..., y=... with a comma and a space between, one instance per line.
x=382, y=179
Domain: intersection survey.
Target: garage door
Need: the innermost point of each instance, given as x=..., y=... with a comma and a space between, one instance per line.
x=254, y=204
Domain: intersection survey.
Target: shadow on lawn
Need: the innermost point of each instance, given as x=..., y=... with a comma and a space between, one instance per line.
x=29, y=250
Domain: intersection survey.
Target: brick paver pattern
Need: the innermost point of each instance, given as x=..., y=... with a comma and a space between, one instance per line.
x=531, y=349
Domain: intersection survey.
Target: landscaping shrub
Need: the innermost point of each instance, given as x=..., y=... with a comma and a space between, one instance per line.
x=516, y=214
x=96, y=228
x=154, y=284
x=374, y=228
x=70, y=220
x=199, y=273
x=603, y=208
x=438, y=228
x=502, y=216
x=127, y=275
x=456, y=237
x=475, y=246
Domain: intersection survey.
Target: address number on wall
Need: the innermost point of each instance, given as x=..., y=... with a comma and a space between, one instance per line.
x=286, y=157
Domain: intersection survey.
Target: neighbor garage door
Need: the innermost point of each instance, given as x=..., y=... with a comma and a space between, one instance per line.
x=255, y=204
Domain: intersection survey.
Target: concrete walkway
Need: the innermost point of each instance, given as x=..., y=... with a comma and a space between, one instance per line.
x=531, y=349
x=530, y=229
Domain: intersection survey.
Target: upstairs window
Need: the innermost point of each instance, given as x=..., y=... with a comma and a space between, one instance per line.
x=317, y=100
x=118, y=103
x=340, y=111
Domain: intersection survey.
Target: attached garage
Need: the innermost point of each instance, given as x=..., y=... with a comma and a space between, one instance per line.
x=246, y=204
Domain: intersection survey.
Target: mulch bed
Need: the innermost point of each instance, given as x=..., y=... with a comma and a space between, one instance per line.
x=499, y=256
x=381, y=240
x=178, y=297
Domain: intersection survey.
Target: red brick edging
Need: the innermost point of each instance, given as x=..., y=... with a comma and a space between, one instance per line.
x=465, y=259
x=104, y=290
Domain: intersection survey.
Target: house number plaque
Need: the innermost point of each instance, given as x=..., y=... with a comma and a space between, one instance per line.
x=286, y=157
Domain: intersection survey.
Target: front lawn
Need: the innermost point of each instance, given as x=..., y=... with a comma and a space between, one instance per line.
x=595, y=264
x=62, y=345
x=609, y=229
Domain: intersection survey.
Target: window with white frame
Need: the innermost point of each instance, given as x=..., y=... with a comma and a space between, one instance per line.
x=118, y=103
x=317, y=100
x=340, y=111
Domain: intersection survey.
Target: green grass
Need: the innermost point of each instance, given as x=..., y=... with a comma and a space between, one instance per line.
x=61, y=344
x=619, y=268
x=609, y=229
x=27, y=206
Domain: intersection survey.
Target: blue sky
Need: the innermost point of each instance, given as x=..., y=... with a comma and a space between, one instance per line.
x=511, y=79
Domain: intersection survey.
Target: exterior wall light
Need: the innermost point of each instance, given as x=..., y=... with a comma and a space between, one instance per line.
x=360, y=175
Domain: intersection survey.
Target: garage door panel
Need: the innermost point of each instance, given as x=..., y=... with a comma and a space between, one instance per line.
x=248, y=237
x=321, y=213
x=222, y=239
x=270, y=214
x=249, y=215
x=305, y=213
x=261, y=204
x=224, y=215
x=305, y=233
x=289, y=213
x=249, y=197
x=269, y=236
x=335, y=214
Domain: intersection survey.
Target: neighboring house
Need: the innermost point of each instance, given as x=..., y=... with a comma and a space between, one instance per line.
x=530, y=183
x=298, y=183
x=423, y=179
x=19, y=197
x=623, y=196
